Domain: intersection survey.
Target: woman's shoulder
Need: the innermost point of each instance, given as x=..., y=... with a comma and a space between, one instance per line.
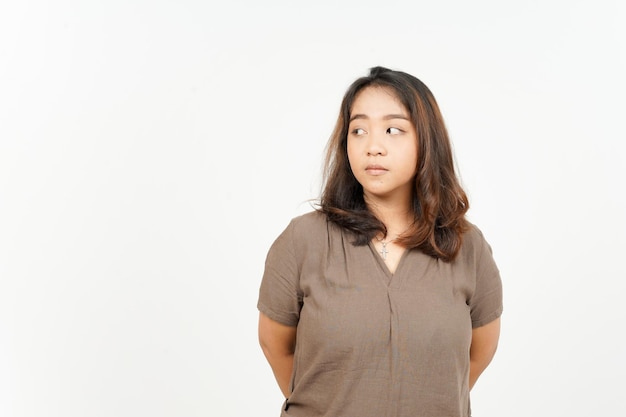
x=473, y=233
x=474, y=242
x=303, y=232
x=312, y=221
x=304, y=227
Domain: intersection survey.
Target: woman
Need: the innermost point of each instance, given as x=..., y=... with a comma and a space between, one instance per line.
x=384, y=301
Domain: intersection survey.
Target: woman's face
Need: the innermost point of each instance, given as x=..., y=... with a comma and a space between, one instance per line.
x=382, y=145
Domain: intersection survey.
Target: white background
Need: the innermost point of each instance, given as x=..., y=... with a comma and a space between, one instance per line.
x=151, y=151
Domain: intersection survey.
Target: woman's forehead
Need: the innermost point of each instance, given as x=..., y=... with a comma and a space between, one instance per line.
x=377, y=100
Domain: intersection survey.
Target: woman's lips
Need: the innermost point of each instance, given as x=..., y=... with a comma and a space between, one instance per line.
x=375, y=169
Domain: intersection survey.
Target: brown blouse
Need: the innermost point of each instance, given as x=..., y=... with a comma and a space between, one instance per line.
x=373, y=344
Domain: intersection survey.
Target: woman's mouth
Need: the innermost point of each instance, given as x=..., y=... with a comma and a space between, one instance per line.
x=375, y=169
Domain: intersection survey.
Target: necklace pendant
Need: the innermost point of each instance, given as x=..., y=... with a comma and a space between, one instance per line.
x=384, y=250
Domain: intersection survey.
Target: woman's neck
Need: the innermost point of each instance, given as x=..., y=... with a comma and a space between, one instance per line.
x=396, y=217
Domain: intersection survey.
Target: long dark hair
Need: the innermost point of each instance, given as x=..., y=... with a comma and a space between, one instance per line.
x=439, y=202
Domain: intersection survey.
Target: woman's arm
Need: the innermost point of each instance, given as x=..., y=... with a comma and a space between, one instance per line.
x=484, y=345
x=278, y=343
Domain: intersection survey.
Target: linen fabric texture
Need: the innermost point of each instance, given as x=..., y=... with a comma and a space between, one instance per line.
x=370, y=343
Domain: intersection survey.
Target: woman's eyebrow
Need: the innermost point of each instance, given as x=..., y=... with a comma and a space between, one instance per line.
x=358, y=116
x=395, y=116
x=386, y=117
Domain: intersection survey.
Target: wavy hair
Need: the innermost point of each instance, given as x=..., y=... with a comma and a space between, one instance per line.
x=439, y=203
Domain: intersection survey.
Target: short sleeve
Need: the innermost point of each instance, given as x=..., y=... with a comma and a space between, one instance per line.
x=486, y=302
x=279, y=295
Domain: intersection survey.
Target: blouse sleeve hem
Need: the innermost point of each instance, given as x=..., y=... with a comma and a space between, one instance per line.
x=282, y=318
x=487, y=319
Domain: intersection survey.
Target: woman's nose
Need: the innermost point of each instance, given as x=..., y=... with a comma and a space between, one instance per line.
x=375, y=145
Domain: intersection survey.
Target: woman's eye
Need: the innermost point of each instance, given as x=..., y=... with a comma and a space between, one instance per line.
x=394, y=131
x=358, y=131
